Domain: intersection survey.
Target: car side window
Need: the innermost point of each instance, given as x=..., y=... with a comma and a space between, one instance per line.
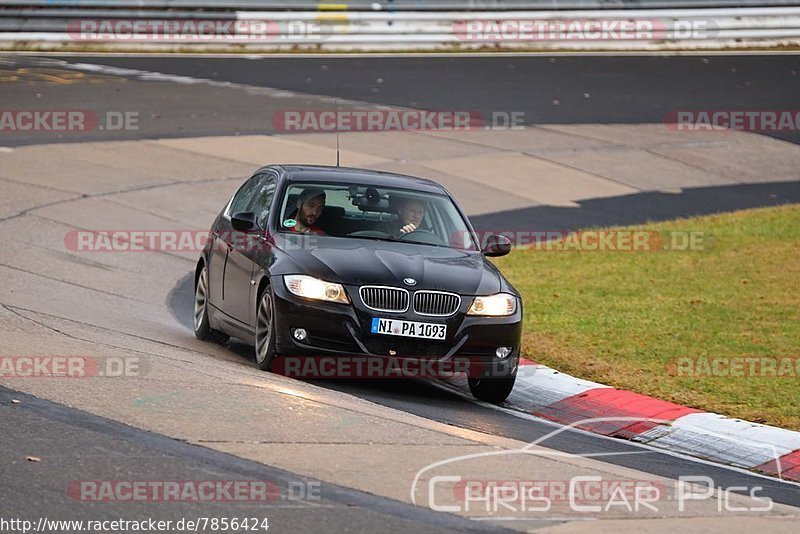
x=244, y=195
x=261, y=201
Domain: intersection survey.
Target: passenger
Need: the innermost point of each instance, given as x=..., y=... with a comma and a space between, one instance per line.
x=309, y=209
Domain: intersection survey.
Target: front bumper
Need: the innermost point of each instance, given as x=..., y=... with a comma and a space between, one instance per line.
x=344, y=330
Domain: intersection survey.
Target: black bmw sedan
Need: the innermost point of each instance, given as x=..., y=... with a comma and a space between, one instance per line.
x=310, y=261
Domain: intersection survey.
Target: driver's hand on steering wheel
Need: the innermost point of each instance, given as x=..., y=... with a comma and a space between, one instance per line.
x=407, y=229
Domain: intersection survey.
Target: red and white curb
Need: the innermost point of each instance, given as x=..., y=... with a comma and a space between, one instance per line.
x=553, y=395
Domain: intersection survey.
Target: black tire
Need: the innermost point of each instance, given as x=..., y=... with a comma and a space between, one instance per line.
x=202, y=325
x=265, y=330
x=494, y=390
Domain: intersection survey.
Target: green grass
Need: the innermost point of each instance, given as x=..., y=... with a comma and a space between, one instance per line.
x=622, y=318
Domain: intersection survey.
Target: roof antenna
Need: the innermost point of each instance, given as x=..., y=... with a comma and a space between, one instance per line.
x=336, y=103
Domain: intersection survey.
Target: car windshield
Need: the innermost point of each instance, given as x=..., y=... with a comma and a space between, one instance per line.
x=381, y=213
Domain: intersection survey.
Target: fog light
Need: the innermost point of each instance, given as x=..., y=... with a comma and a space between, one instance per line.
x=300, y=334
x=502, y=352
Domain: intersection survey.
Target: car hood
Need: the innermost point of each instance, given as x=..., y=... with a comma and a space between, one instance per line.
x=373, y=262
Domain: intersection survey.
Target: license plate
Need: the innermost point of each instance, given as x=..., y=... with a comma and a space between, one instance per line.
x=394, y=327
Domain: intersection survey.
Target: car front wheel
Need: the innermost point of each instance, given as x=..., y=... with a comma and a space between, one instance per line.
x=492, y=390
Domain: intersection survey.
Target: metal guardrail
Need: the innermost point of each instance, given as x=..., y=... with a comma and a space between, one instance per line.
x=392, y=5
x=331, y=27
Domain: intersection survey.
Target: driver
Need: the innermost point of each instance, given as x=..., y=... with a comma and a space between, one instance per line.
x=309, y=208
x=411, y=213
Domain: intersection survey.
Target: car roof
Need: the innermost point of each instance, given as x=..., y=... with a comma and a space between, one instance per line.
x=326, y=174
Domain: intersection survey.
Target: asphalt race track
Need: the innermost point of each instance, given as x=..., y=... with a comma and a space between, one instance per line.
x=204, y=411
x=602, y=89
x=548, y=89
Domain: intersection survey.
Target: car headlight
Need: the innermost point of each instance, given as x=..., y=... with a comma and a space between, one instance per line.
x=314, y=288
x=494, y=305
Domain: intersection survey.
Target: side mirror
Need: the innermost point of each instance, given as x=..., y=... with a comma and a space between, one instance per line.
x=497, y=245
x=244, y=221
